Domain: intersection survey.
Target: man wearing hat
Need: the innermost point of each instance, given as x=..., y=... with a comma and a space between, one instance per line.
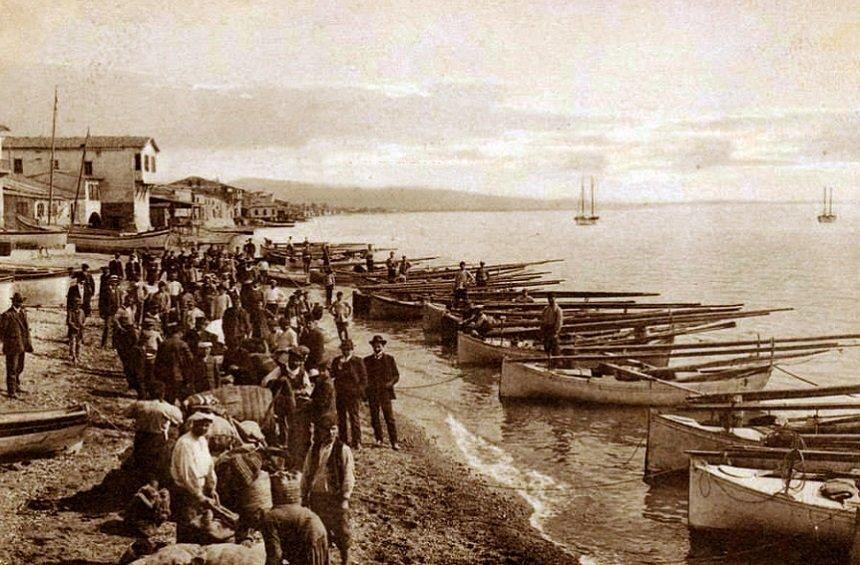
x=174, y=364
x=115, y=267
x=89, y=289
x=109, y=303
x=551, y=322
x=291, y=390
x=291, y=531
x=350, y=380
x=15, y=332
x=382, y=375
x=193, y=471
x=328, y=479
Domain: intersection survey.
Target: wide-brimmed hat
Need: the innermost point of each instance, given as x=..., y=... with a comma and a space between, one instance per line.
x=200, y=416
x=300, y=351
x=378, y=339
x=113, y=278
x=17, y=298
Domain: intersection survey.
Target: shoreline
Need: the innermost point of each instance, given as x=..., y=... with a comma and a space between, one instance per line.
x=55, y=511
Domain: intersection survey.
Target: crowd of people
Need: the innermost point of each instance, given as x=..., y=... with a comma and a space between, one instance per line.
x=160, y=314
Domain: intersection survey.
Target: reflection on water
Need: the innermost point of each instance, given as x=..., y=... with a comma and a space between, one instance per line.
x=762, y=255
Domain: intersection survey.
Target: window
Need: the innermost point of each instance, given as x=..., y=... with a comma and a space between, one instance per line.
x=88, y=168
x=93, y=190
x=137, y=161
x=22, y=208
x=152, y=163
x=146, y=163
x=18, y=166
x=40, y=209
x=56, y=164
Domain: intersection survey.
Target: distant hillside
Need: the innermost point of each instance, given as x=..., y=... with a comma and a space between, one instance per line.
x=396, y=198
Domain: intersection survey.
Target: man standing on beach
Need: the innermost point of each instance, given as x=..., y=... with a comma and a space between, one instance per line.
x=89, y=290
x=350, y=380
x=115, y=266
x=15, y=333
x=328, y=479
x=341, y=311
x=109, y=303
x=382, y=375
x=552, y=319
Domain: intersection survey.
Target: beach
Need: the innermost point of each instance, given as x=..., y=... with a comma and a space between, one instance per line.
x=412, y=506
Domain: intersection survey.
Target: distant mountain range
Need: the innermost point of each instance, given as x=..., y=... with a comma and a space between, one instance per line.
x=408, y=199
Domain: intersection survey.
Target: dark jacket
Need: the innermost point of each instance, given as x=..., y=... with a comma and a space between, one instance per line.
x=15, y=332
x=382, y=375
x=133, y=270
x=75, y=296
x=323, y=412
x=350, y=377
x=314, y=340
x=89, y=287
x=236, y=325
x=115, y=268
x=109, y=301
x=173, y=360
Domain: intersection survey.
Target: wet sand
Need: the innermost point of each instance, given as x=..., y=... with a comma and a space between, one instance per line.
x=412, y=506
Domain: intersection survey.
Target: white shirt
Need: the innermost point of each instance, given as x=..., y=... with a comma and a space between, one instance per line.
x=274, y=296
x=174, y=288
x=285, y=339
x=191, y=464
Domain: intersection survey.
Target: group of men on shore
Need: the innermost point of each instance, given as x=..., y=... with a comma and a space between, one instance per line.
x=156, y=314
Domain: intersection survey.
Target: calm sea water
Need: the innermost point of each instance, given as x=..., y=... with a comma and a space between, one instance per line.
x=580, y=467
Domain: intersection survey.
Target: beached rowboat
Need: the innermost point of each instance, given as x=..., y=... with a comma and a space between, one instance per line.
x=534, y=380
x=723, y=497
x=31, y=433
x=107, y=241
x=385, y=308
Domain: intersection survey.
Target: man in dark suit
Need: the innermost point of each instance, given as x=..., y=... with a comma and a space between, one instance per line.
x=133, y=268
x=382, y=375
x=350, y=380
x=115, y=267
x=236, y=326
x=89, y=290
x=109, y=303
x=173, y=362
x=15, y=332
x=75, y=295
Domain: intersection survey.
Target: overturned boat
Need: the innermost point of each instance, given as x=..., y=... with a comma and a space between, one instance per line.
x=31, y=433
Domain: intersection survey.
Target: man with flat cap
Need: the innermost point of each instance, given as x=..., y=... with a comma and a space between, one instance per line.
x=15, y=333
x=291, y=390
x=350, y=379
x=382, y=375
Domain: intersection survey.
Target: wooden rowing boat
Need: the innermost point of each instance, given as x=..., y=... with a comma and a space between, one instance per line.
x=360, y=304
x=34, y=239
x=385, y=308
x=533, y=380
x=31, y=433
x=107, y=241
x=473, y=350
x=724, y=497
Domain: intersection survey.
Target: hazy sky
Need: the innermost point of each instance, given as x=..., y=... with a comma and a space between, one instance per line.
x=660, y=100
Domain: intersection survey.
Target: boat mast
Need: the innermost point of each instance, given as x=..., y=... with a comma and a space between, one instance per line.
x=581, y=196
x=830, y=208
x=80, y=176
x=592, y=196
x=51, y=164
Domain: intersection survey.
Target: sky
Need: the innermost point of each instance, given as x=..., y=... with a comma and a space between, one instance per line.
x=658, y=100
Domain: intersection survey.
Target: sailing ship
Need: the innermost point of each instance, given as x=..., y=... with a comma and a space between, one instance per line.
x=827, y=216
x=583, y=219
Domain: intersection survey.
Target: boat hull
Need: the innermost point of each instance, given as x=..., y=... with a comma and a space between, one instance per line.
x=739, y=499
x=473, y=350
x=532, y=381
x=826, y=218
x=671, y=436
x=41, y=432
x=360, y=304
x=34, y=239
x=384, y=308
x=432, y=315
x=46, y=288
x=100, y=242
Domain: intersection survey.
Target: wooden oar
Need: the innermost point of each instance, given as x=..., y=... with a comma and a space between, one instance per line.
x=645, y=376
x=778, y=394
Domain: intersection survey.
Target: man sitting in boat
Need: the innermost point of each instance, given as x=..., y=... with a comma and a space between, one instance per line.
x=524, y=297
x=552, y=320
x=478, y=323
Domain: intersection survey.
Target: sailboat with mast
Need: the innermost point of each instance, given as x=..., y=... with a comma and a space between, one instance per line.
x=583, y=219
x=827, y=216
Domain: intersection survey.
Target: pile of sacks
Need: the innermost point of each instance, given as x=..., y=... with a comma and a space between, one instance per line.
x=217, y=554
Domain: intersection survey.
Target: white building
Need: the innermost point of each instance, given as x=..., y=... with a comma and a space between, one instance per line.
x=125, y=167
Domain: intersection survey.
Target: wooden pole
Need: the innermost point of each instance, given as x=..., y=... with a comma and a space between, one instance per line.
x=53, y=141
x=80, y=176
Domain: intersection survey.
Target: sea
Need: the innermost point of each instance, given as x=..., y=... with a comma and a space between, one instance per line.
x=580, y=467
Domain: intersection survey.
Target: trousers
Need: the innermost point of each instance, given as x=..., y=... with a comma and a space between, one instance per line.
x=14, y=368
x=382, y=402
x=347, y=406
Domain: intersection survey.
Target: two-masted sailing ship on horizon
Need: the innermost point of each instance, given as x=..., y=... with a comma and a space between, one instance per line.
x=583, y=219
x=827, y=216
